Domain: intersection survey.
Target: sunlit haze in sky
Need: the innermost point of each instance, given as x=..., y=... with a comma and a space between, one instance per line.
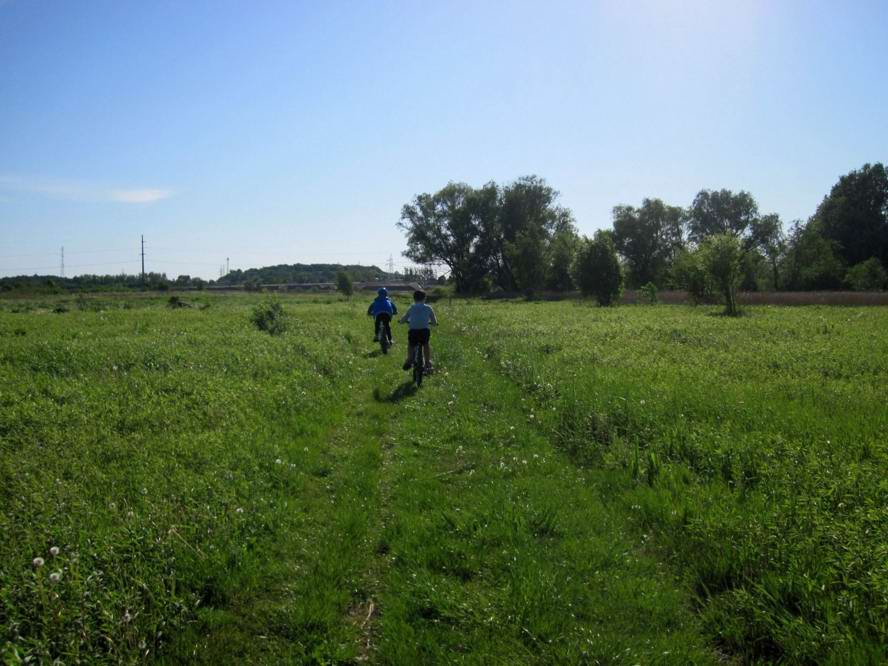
x=283, y=132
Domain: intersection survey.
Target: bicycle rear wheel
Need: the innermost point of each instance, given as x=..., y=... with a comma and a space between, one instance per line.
x=418, y=365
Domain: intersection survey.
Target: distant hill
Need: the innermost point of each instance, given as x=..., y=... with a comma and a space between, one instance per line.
x=284, y=273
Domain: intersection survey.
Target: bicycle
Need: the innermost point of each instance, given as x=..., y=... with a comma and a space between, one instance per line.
x=418, y=366
x=382, y=333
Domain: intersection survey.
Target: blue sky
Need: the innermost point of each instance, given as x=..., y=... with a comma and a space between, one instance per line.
x=277, y=132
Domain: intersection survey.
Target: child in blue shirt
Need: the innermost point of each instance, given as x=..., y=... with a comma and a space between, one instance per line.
x=419, y=316
x=382, y=309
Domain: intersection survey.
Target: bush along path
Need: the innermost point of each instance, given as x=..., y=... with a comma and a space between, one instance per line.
x=496, y=548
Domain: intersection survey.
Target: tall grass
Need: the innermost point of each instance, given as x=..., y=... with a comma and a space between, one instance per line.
x=573, y=485
x=755, y=450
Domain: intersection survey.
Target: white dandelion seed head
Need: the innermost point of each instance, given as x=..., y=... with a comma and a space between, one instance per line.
x=239, y=509
x=37, y=562
x=54, y=551
x=278, y=461
x=55, y=576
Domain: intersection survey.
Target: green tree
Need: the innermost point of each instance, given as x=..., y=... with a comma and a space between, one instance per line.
x=722, y=257
x=868, y=275
x=767, y=235
x=855, y=215
x=648, y=238
x=344, y=284
x=528, y=215
x=811, y=260
x=562, y=252
x=689, y=273
x=721, y=212
x=453, y=226
x=503, y=235
x=527, y=260
x=597, y=270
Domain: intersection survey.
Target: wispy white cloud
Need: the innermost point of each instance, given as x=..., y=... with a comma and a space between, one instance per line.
x=140, y=196
x=81, y=191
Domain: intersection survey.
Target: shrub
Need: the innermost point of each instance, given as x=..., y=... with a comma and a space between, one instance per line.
x=176, y=302
x=649, y=290
x=689, y=274
x=344, y=284
x=868, y=275
x=437, y=294
x=597, y=270
x=269, y=316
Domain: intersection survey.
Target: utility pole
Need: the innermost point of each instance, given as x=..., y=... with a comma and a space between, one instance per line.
x=62, y=271
x=390, y=264
x=227, y=269
x=143, y=257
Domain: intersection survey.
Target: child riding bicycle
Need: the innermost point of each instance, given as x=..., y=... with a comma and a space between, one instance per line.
x=419, y=316
x=382, y=309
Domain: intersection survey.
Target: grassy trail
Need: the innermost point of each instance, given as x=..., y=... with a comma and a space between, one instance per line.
x=495, y=548
x=441, y=526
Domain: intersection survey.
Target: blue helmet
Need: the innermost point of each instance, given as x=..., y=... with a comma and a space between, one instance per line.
x=382, y=292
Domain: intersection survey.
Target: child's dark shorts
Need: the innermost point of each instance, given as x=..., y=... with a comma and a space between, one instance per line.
x=418, y=336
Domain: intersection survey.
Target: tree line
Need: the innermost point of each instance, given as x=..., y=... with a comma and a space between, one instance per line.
x=518, y=238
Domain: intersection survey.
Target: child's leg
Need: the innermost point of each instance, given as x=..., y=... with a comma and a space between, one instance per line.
x=375, y=329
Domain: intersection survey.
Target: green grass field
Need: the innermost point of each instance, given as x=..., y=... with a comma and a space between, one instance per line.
x=636, y=485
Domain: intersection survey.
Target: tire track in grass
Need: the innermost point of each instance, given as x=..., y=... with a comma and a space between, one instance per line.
x=293, y=607
x=497, y=549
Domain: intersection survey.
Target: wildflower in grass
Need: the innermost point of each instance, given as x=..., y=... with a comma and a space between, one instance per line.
x=54, y=551
x=278, y=461
x=127, y=617
x=239, y=509
x=55, y=576
x=37, y=562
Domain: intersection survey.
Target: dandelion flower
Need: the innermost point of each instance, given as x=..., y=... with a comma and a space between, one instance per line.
x=278, y=461
x=37, y=562
x=55, y=576
x=54, y=551
x=239, y=509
